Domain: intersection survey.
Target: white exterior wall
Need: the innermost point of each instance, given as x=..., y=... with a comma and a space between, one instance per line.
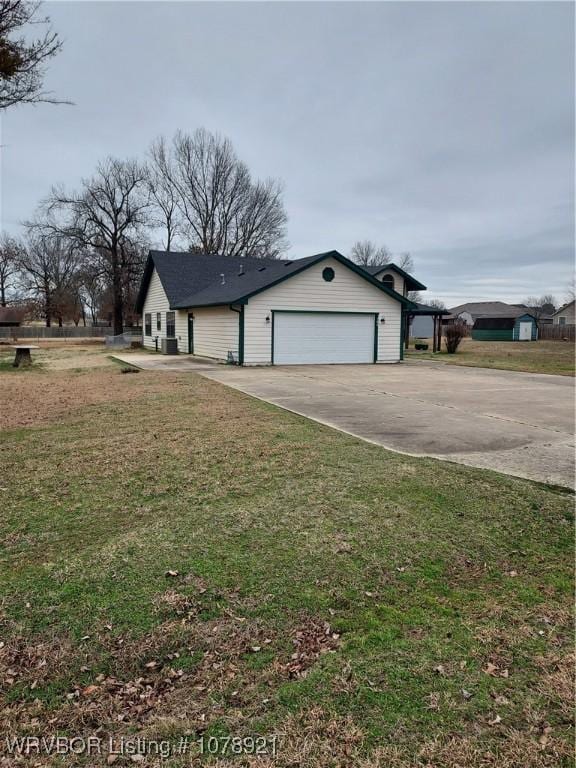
x=156, y=301
x=398, y=279
x=568, y=313
x=348, y=292
x=216, y=332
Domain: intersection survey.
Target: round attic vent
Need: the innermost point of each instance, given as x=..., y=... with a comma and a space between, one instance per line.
x=328, y=274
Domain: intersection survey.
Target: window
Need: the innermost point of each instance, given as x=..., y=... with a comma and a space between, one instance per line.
x=561, y=321
x=147, y=324
x=170, y=325
x=328, y=274
x=158, y=321
x=388, y=281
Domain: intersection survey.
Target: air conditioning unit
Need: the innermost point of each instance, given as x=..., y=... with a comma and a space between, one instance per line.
x=169, y=346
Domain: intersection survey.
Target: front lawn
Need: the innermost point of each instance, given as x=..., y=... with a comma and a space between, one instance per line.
x=179, y=560
x=531, y=356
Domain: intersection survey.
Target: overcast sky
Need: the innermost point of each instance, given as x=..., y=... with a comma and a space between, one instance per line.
x=443, y=129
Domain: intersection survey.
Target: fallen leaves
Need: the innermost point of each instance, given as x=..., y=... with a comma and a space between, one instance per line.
x=494, y=671
x=310, y=641
x=495, y=720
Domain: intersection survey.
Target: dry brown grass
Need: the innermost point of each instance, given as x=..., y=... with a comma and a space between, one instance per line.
x=32, y=399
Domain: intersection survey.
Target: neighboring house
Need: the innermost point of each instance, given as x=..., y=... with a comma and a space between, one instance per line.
x=565, y=315
x=320, y=309
x=472, y=310
x=521, y=328
x=10, y=317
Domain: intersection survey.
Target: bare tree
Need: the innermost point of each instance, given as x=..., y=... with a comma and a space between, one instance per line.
x=92, y=286
x=405, y=262
x=436, y=303
x=368, y=254
x=48, y=265
x=540, y=307
x=163, y=194
x=106, y=217
x=221, y=209
x=10, y=252
x=23, y=60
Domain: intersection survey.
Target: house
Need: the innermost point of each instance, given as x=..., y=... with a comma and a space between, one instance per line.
x=565, y=315
x=473, y=310
x=319, y=309
x=521, y=328
x=10, y=317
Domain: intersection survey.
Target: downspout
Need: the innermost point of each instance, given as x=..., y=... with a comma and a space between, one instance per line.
x=240, y=332
x=402, y=322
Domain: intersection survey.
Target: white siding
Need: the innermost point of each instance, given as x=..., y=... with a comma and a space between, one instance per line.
x=156, y=301
x=216, y=332
x=567, y=313
x=348, y=292
x=398, y=280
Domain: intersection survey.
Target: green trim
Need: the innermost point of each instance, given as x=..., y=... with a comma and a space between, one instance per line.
x=402, y=321
x=241, y=336
x=190, y=333
x=272, y=352
x=342, y=260
x=416, y=285
x=240, y=311
x=376, y=337
x=310, y=262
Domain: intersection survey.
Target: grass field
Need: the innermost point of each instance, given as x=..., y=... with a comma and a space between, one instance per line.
x=533, y=357
x=178, y=559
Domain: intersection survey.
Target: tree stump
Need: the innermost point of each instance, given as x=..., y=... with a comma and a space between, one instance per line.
x=23, y=357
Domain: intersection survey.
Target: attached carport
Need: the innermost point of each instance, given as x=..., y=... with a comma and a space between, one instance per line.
x=425, y=310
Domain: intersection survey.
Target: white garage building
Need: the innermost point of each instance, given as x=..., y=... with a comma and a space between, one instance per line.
x=320, y=309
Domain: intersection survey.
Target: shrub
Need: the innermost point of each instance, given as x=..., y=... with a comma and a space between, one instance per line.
x=454, y=335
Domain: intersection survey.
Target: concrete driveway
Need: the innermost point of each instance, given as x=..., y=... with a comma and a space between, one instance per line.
x=517, y=423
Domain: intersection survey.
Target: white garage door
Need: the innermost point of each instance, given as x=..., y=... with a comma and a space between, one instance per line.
x=323, y=337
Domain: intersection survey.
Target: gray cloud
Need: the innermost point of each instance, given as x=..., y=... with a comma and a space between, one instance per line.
x=446, y=129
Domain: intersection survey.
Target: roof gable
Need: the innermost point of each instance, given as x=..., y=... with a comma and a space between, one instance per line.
x=182, y=273
x=489, y=309
x=195, y=280
x=564, y=308
x=411, y=283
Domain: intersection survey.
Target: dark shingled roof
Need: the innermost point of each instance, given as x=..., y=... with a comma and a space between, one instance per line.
x=195, y=280
x=490, y=309
x=411, y=283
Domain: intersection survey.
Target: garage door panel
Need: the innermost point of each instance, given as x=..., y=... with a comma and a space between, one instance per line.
x=323, y=337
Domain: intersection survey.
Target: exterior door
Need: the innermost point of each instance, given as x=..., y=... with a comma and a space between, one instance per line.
x=525, y=332
x=191, y=334
x=301, y=338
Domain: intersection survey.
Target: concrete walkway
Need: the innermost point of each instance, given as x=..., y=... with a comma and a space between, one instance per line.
x=153, y=362
x=518, y=423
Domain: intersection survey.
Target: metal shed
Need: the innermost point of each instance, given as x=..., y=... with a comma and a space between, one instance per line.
x=521, y=328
